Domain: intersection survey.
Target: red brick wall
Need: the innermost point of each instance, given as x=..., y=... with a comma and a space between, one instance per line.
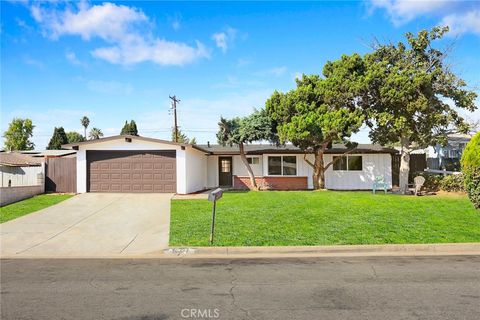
x=272, y=183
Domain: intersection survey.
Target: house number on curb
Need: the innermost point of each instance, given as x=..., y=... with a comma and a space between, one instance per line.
x=214, y=196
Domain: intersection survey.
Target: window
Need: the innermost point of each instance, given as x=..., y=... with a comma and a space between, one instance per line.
x=340, y=164
x=253, y=160
x=347, y=163
x=282, y=166
x=289, y=165
x=274, y=166
x=354, y=163
x=225, y=166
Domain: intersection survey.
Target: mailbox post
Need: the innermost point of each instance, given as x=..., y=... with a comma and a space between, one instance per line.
x=214, y=196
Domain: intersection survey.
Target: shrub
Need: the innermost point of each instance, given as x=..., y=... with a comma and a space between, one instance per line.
x=452, y=183
x=432, y=181
x=471, y=170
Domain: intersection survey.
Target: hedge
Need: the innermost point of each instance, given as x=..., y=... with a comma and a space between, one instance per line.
x=471, y=170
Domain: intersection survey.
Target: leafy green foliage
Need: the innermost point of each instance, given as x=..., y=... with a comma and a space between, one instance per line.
x=18, y=134
x=471, y=169
x=405, y=94
x=73, y=136
x=130, y=128
x=452, y=183
x=278, y=218
x=58, y=138
x=95, y=133
x=181, y=137
x=320, y=111
x=236, y=131
x=405, y=91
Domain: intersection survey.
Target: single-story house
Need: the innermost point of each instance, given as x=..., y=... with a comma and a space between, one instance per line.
x=127, y=163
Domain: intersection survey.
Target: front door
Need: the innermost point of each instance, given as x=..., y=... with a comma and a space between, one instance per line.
x=225, y=171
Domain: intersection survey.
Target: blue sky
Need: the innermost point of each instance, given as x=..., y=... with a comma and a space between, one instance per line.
x=116, y=61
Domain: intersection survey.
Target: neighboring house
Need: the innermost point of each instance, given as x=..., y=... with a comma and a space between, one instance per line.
x=21, y=177
x=448, y=156
x=50, y=153
x=137, y=164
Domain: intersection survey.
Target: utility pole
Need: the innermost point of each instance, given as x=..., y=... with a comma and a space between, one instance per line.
x=174, y=108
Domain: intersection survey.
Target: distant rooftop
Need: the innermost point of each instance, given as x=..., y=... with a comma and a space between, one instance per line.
x=48, y=153
x=15, y=159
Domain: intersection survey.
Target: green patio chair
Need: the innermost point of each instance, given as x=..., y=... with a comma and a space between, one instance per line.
x=379, y=184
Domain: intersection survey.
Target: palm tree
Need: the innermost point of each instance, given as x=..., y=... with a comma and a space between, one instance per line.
x=85, y=122
x=95, y=133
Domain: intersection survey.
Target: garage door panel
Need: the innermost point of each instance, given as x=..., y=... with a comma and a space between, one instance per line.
x=131, y=171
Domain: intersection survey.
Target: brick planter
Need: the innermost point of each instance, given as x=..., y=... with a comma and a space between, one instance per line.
x=271, y=183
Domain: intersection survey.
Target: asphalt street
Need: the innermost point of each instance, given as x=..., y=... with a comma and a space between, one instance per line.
x=309, y=288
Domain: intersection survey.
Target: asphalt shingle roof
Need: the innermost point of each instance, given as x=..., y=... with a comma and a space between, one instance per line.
x=14, y=159
x=268, y=148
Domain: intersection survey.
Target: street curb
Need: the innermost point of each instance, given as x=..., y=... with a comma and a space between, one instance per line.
x=389, y=250
x=329, y=251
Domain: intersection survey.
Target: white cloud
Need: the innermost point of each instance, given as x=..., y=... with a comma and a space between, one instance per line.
x=110, y=87
x=175, y=21
x=72, y=58
x=225, y=39
x=159, y=51
x=276, y=71
x=126, y=29
x=403, y=11
x=463, y=23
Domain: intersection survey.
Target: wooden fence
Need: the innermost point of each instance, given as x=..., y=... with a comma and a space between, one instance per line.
x=61, y=175
x=418, y=162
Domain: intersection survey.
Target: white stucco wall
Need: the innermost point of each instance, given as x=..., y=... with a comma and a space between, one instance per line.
x=373, y=165
x=239, y=168
x=196, y=170
x=120, y=144
x=212, y=171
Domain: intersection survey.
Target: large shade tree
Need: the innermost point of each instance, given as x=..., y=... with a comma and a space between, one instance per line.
x=319, y=112
x=73, y=137
x=58, y=138
x=410, y=95
x=18, y=134
x=241, y=131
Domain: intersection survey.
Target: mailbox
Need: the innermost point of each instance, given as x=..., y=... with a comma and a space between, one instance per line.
x=215, y=195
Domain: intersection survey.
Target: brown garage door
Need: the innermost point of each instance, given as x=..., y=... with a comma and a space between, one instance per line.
x=131, y=171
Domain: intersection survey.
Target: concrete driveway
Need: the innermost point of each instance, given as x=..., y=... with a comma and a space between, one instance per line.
x=91, y=224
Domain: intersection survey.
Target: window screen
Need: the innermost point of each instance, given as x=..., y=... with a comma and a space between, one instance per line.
x=253, y=160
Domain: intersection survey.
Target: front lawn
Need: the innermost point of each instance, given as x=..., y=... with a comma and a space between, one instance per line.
x=279, y=218
x=30, y=205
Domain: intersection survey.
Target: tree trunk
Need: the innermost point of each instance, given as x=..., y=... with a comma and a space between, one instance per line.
x=85, y=132
x=253, y=183
x=404, y=166
x=318, y=171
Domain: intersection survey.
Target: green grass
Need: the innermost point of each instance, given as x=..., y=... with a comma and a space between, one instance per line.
x=30, y=205
x=324, y=218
